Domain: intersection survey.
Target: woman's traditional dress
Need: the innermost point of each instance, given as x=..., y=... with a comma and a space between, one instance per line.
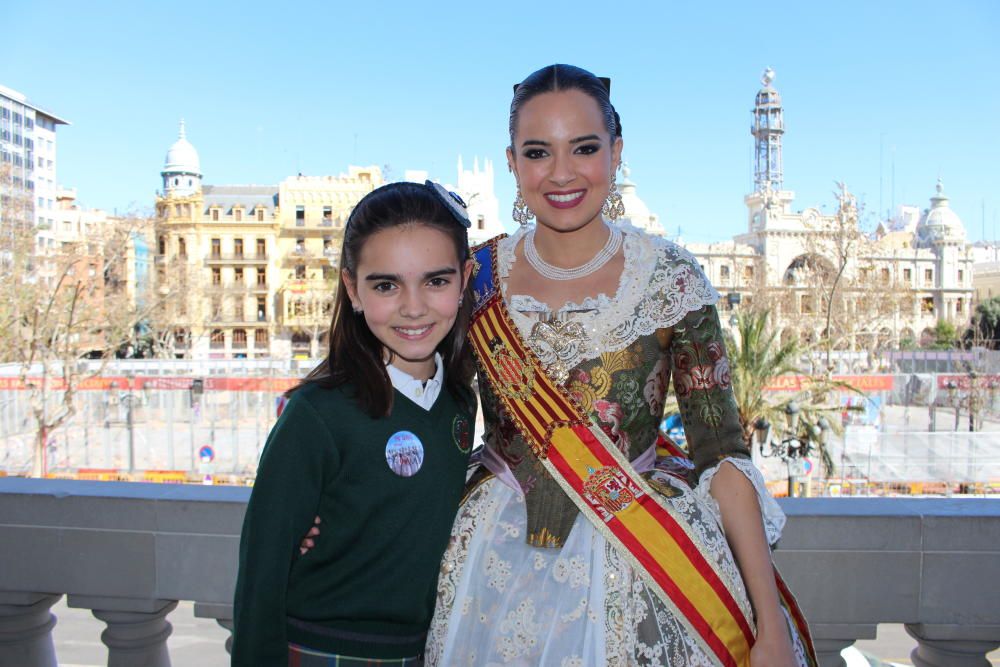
x=550, y=560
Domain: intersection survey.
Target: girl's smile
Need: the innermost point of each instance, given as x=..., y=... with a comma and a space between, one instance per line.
x=409, y=282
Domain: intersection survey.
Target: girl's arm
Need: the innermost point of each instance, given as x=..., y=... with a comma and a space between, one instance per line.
x=281, y=509
x=711, y=423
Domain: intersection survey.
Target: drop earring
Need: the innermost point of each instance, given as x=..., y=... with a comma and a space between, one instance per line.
x=521, y=213
x=614, y=207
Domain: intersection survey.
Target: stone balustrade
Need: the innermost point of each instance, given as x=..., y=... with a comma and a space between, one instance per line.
x=130, y=551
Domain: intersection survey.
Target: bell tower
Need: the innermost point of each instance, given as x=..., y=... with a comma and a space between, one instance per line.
x=767, y=129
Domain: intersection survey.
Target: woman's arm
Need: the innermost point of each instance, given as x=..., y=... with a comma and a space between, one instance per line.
x=744, y=529
x=711, y=423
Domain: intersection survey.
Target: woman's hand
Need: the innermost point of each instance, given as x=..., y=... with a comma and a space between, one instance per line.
x=773, y=649
x=307, y=542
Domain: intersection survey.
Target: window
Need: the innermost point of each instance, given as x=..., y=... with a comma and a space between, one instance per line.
x=300, y=271
x=260, y=214
x=238, y=276
x=238, y=214
x=960, y=306
x=261, y=249
x=298, y=308
x=262, y=277
x=215, y=213
x=805, y=304
x=180, y=337
x=927, y=305
x=260, y=338
x=908, y=275
x=216, y=276
x=216, y=248
x=261, y=309
x=218, y=339
x=162, y=245
x=724, y=272
x=886, y=276
x=238, y=310
x=182, y=248
x=327, y=216
x=300, y=216
x=238, y=248
x=928, y=277
x=480, y=222
x=300, y=245
x=961, y=276
x=239, y=337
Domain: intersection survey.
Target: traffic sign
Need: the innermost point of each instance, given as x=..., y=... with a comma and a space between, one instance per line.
x=807, y=466
x=206, y=454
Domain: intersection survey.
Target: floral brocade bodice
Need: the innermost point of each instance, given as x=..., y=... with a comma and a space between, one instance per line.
x=615, y=356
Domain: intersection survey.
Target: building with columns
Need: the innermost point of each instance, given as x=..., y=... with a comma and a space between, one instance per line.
x=250, y=271
x=879, y=291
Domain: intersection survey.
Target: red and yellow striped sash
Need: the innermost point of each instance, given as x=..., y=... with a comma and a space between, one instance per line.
x=602, y=484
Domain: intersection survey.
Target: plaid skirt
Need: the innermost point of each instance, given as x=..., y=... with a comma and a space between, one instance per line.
x=300, y=656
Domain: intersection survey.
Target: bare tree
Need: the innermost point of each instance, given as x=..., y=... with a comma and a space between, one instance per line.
x=66, y=300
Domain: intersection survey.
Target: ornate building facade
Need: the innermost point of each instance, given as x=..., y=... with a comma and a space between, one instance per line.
x=250, y=271
x=823, y=278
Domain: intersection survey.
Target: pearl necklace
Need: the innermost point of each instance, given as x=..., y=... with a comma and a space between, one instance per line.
x=546, y=270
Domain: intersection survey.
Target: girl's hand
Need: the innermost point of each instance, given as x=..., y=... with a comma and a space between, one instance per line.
x=773, y=650
x=307, y=542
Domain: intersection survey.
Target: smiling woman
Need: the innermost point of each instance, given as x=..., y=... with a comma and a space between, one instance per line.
x=586, y=540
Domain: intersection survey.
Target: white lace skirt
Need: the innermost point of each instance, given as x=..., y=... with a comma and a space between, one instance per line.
x=504, y=602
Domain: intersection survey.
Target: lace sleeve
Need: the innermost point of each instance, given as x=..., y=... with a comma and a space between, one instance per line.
x=702, y=383
x=770, y=511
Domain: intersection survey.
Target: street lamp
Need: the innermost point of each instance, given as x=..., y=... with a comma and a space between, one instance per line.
x=126, y=398
x=790, y=448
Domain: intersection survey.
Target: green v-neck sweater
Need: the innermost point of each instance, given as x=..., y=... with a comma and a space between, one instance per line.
x=368, y=587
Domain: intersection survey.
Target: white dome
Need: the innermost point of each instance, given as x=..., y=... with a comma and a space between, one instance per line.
x=940, y=223
x=636, y=211
x=182, y=158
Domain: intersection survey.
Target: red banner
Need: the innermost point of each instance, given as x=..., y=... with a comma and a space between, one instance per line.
x=864, y=383
x=168, y=383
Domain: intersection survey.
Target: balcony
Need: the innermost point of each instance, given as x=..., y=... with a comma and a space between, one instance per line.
x=130, y=551
x=233, y=258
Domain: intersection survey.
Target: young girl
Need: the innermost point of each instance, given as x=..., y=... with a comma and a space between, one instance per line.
x=375, y=441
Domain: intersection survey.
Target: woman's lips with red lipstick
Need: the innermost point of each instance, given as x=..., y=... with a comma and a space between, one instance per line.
x=565, y=199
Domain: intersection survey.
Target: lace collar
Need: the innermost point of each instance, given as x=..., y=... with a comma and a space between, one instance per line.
x=660, y=283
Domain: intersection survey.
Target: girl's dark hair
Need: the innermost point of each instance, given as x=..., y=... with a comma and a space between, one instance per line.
x=356, y=355
x=555, y=78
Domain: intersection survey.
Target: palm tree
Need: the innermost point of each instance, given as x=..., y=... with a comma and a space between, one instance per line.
x=756, y=359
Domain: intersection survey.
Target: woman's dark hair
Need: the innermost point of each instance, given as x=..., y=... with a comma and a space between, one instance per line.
x=555, y=78
x=356, y=356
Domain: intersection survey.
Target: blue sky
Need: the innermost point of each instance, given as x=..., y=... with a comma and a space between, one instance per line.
x=268, y=91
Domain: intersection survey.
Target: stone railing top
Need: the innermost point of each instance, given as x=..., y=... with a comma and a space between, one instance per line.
x=851, y=561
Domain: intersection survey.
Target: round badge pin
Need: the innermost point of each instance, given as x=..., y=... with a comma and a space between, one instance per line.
x=404, y=453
